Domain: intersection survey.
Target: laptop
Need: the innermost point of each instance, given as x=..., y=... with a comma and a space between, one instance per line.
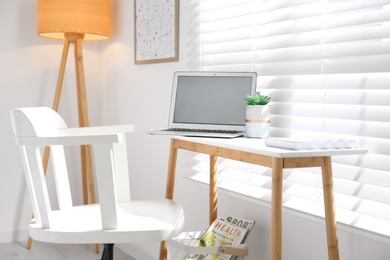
x=209, y=104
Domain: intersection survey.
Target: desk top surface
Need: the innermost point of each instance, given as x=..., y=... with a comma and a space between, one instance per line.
x=257, y=146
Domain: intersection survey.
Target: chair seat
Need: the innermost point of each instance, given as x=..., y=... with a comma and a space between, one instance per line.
x=138, y=221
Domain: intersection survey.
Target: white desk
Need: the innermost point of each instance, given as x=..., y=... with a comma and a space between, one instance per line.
x=254, y=151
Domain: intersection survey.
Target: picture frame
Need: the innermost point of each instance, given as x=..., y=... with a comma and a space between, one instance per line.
x=156, y=31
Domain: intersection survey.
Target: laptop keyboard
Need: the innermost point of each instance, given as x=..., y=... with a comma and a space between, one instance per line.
x=203, y=130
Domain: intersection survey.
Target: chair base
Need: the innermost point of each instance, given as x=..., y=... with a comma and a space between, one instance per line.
x=108, y=252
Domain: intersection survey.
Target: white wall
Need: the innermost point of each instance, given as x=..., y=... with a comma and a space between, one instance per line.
x=29, y=68
x=121, y=92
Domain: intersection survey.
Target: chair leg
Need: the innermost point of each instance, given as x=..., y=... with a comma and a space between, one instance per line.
x=108, y=252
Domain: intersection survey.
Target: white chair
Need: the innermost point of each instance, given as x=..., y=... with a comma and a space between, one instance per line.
x=116, y=218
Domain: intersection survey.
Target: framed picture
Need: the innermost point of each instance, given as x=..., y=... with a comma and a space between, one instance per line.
x=156, y=31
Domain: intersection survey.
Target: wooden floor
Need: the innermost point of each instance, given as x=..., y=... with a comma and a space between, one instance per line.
x=43, y=251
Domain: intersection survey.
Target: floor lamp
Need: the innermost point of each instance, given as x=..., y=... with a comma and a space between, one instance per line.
x=75, y=21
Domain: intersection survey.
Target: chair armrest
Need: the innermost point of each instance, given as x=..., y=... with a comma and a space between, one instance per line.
x=78, y=136
x=97, y=130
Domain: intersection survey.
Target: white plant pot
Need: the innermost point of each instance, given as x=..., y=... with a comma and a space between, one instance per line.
x=257, y=121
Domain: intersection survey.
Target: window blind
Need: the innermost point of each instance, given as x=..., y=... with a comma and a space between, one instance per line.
x=326, y=65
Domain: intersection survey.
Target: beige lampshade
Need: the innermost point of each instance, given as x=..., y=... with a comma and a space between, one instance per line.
x=89, y=17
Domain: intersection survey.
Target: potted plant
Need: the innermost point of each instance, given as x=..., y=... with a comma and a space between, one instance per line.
x=257, y=115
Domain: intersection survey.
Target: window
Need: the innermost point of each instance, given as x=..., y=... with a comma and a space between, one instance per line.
x=326, y=65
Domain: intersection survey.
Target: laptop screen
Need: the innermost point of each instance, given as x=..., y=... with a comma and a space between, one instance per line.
x=211, y=100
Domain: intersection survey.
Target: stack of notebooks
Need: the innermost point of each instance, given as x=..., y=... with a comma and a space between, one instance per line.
x=300, y=143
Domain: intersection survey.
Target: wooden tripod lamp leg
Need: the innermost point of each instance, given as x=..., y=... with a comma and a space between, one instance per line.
x=55, y=105
x=86, y=154
x=57, y=95
x=61, y=74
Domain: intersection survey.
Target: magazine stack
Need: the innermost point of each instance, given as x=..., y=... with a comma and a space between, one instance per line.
x=223, y=240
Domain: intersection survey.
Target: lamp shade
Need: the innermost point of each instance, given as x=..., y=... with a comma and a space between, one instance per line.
x=92, y=18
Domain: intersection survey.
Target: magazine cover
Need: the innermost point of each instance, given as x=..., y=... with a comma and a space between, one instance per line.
x=232, y=231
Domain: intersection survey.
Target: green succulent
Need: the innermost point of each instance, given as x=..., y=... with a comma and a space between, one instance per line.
x=257, y=99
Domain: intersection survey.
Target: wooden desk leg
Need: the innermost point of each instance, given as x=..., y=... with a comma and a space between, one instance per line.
x=276, y=209
x=330, y=215
x=170, y=186
x=213, y=188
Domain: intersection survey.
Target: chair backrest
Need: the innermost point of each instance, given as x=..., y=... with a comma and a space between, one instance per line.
x=35, y=122
x=41, y=126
